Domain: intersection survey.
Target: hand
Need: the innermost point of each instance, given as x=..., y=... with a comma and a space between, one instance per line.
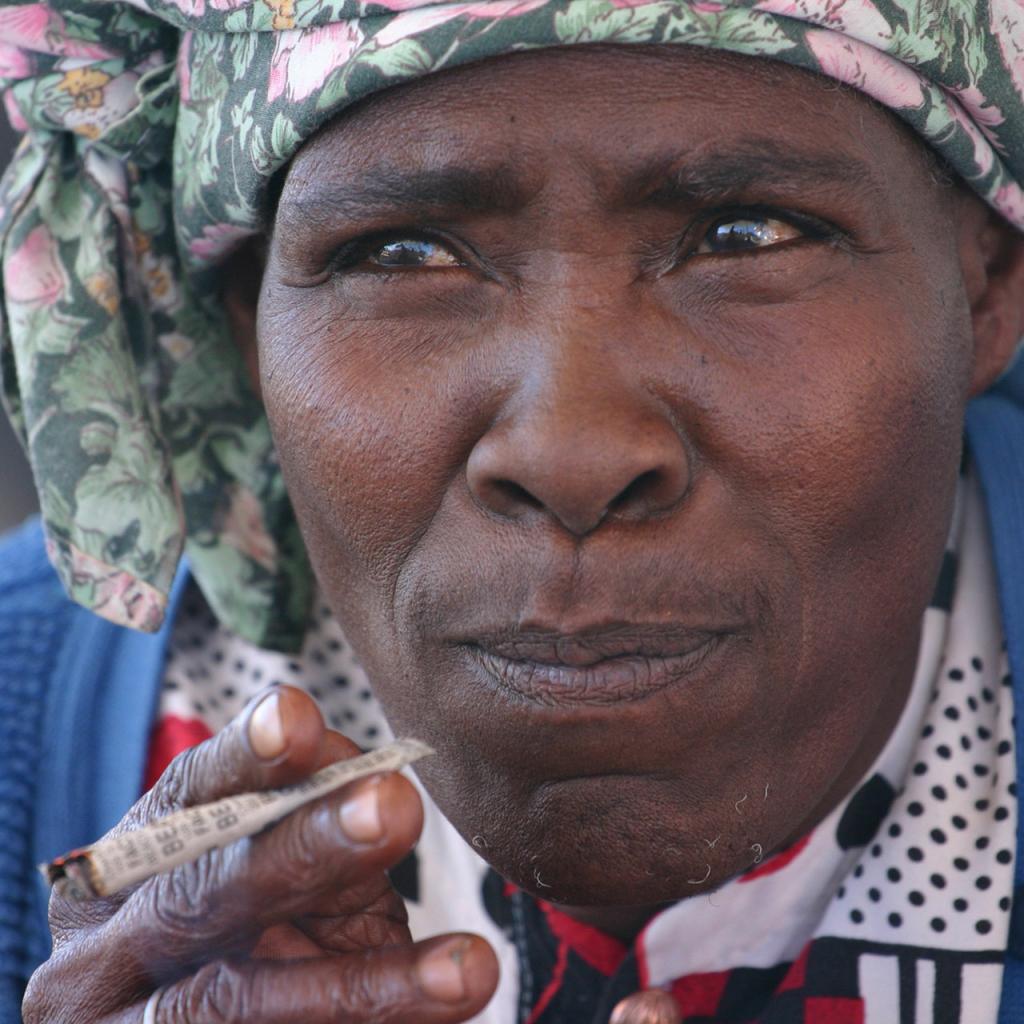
x=297, y=924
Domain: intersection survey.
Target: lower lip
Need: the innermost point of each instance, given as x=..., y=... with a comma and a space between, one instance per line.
x=612, y=681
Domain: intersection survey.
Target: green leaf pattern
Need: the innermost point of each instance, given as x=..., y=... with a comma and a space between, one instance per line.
x=154, y=129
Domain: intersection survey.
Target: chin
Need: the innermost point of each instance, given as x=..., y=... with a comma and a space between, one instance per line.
x=616, y=841
x=616, y=873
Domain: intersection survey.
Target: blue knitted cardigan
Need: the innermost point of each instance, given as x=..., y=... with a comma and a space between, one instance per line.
x=78, y=696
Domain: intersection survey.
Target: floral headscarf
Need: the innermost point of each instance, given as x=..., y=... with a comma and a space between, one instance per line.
x=154, y=127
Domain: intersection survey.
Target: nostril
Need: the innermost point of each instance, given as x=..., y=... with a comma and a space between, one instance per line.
x=581, y=476
x=511, y=496
x=638, y=491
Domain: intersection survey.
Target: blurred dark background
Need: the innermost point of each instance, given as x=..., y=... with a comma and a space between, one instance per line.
x=17, y=498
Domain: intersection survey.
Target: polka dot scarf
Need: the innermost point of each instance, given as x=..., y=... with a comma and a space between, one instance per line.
x=894, y=910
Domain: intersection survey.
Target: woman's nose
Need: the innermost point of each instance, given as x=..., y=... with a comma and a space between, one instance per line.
x=582, y=455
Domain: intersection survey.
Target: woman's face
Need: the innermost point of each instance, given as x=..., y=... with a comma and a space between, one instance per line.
x=619, y=393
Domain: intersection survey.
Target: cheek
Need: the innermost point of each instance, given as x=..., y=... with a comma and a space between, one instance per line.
x=827, y=434
x=368, y=445
x=849, y=430
x=835, y=423
x=848, y=449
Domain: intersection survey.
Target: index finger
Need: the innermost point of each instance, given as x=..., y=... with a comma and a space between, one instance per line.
x=279, y=738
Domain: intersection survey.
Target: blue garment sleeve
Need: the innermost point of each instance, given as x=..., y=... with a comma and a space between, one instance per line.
x=77, y=700
x=33, y=621
x=99, y=713
x=97, y=686
x=995, y=428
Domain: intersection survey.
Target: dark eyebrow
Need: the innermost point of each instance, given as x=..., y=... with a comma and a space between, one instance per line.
x=764, y=164
x=389, y=190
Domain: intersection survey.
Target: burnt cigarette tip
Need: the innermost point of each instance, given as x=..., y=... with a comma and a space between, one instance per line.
x=70, y=875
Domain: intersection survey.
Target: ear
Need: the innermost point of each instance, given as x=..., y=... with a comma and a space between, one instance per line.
x=992, y=258
x=242, y=275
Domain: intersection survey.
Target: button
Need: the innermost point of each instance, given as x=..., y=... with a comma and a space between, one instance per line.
x=650, y=1007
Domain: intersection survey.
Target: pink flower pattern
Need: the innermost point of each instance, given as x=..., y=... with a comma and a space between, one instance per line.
x=984, y=157
x=1007, y=19
x=14, y=61
x=39, y=28
x=184, y=67
x=33, y=274
x=1009, y=201
x=859, y=19
x=880, y=76
x=246, y=99
x=217, y=241
x=985, y=114
x=413, y=21
x=193, y=8
x=303, y=59
x=117, y=596
x=18, y=121
x=244, y=529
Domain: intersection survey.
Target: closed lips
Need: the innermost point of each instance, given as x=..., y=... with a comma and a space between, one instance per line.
x=597, y=667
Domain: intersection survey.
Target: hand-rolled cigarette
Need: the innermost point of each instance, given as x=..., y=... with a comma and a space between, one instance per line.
x=114, y=864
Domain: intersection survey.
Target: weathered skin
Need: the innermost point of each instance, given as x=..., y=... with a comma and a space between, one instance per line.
x=572, y=417
x=589, y=422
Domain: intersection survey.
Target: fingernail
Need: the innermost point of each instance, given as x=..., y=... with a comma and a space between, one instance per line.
x=360, y=813
x=440, y=971
x=266, y=730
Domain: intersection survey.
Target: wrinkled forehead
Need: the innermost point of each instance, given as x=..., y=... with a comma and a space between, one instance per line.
x=621, y=121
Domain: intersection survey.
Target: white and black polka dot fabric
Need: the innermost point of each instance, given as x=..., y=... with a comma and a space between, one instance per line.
x=897, y=903
x=907, y=883
x=211, y=674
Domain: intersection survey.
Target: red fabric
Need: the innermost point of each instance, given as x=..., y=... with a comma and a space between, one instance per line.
x=601, y=951
x=553, y=985
x=778, y=861
x=170, y=736
x=698, y=995
x=796, y=976
x=822, y=1010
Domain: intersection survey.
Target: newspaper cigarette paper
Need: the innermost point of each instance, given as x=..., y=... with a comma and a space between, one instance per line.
x=114, y=864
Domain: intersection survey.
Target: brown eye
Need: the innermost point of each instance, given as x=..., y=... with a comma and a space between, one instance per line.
x=412, y=253
x=741, y=234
